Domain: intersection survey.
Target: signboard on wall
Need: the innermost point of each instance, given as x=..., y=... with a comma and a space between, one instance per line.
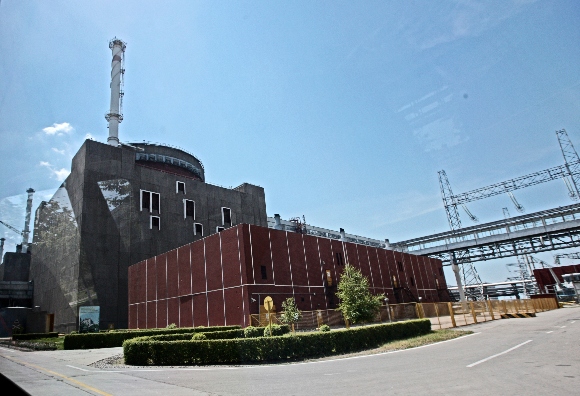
x=89, y=319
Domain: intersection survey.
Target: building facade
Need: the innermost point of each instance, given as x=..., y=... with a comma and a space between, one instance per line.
x=119, y=206
x=223, y=278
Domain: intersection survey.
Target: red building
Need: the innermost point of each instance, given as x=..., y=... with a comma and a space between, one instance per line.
x=545, y=278
x=223, y=278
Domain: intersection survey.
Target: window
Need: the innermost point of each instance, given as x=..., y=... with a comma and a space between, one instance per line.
x=339, y=259
x=226, y=217
x=264, y=274
x=302, y=299
x=188, y=209
x=412, y=281
x=395, y=281
x=328, y=277
x=150, y=201
x=400, y=265
x=154, y=222
x=198, y=229
x=179, y=187
x=219, y=229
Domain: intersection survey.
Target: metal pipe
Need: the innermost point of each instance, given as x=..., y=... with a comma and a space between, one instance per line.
x=115, y=116
x=26, y=231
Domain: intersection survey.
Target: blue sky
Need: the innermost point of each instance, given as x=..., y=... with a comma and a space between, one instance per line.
x=343, y=111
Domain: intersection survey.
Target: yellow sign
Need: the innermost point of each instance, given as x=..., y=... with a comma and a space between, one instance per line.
x=268, y=303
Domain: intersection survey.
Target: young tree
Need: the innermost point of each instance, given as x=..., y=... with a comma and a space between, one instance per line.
x=291, y=314
x=357, y=304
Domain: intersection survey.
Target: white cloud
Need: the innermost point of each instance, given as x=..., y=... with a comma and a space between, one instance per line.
x=61, y=174
x=58, y=129
x=58, y=151
x=58, y=174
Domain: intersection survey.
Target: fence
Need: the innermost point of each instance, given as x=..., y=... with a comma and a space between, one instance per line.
x=442, y=315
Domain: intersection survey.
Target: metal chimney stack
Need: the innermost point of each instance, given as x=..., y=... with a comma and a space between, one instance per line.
x=115, y=115
x=26, y=230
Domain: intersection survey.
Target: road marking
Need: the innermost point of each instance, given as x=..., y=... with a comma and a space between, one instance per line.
x=562, y=327
x=74, y=381
x=498, y=354
x=548, y=332
x=573, y=321
x=78, y=368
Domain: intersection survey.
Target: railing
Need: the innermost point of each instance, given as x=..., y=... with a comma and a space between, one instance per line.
x=442, y=315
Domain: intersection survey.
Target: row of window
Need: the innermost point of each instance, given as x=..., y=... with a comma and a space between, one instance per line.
x=151, y=201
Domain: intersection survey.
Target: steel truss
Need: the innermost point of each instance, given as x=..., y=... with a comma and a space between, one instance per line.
x=553, y=229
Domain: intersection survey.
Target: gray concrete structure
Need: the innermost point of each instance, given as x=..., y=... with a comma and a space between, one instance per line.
x=121, y=205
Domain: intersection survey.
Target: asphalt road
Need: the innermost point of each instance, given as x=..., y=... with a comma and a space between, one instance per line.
x=537, y=356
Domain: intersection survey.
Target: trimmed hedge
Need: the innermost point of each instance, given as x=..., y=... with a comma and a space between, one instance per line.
x=277, y=330
x=116, y=338
x=142, y=351
x=251, y=332
x=34, y=336
x=215, y=335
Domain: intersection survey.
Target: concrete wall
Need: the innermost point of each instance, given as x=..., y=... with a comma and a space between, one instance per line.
x=16, y=267
x=219, y=280
x=94, y=228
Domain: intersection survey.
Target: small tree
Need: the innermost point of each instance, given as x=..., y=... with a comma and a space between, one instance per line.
x=291, y=314
x=357, y=304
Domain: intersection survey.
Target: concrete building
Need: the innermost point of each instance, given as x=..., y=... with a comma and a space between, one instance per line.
x=119, y=206
x=223, y=278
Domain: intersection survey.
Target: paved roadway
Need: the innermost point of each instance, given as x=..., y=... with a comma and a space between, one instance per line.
x=539, y=356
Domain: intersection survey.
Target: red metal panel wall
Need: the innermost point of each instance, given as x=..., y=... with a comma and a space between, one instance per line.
x=172, y=274
x=151, y=280
x=297, y=264
x=376, y=270
x=184, y=265
x=161, y=274
x=173, y=311
x=141, y=316
x=200, y=312
x=185, y=311
x=198, y=267
x=215, y=301
x=260, y=255
x=162, y=313
x=231, y=258
x=213, y=262
x=151, y=320
x=280, y=258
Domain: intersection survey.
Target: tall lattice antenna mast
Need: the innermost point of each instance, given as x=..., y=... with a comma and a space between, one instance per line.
x=571, y=159
x=115, y=114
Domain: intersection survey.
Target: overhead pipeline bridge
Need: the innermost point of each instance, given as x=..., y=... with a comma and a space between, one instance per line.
x=531, y=233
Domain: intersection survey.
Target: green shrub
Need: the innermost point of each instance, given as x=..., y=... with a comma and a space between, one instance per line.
x=198, y=337
x=111, y=340
x=143, y=351
x=214, y=335
x=324, y=327
x=252, y=332
x=34, y=336
x=277, y=330
x=171, y=326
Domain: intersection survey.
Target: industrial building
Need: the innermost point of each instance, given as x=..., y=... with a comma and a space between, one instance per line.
x=223, y=278
x=129, y=203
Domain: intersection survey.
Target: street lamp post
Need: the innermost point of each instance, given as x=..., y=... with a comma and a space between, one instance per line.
x=388, y=308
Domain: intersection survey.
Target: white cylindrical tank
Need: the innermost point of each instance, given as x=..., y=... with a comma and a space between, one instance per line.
x=115, y=116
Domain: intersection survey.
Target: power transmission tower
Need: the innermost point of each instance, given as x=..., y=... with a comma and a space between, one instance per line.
x=469, y=275
x=572, y=162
